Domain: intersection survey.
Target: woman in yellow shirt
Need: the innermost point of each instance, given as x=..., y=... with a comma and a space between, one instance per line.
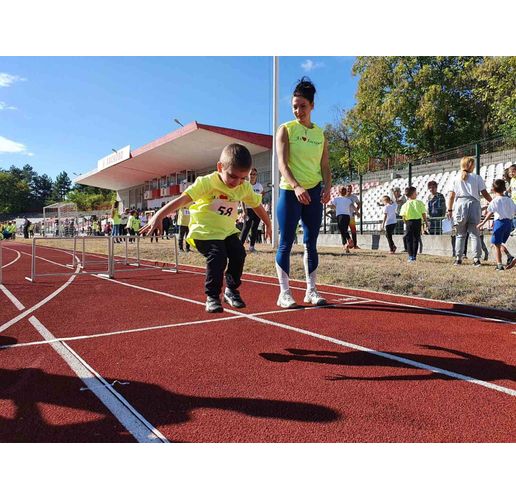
x=304, y=188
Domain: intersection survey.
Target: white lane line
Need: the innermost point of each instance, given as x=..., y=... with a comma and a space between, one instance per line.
x=157, y=327
x=439, y=311
x=339, y=342
x=129, y=417
x=12, y=261
x=356, y=347
x=41, y=303
x=12, y=298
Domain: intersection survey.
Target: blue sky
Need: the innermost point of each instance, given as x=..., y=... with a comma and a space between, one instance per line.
x=64, y=113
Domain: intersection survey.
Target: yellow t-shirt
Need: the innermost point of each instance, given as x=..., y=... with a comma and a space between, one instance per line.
x=513, y=189
x=413, y=209
x=306, y=147
x=183, y=216
x=214, y=212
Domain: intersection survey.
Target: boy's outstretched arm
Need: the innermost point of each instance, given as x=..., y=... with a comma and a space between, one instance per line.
x=262, y=213
x=486, y=219
x=156, y=221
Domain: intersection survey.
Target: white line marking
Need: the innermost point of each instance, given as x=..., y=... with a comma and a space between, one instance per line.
x=12, y=298
x=356, y=347
x=340, y=342
x=156, y=327
x=41, y=303
x=129, y=417
x=12, y=261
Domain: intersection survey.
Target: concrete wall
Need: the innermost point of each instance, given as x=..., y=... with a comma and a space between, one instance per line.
x=432, y=245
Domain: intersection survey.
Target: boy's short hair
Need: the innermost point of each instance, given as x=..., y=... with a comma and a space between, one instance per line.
x=499, y=186
x=410, y=191
x=432, y=183
x=236, y=156
x=385, y=197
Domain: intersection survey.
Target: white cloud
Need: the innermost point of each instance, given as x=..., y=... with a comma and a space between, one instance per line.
x=8, y=146
x=310, y=65
x=6, y=80
x=4, y=106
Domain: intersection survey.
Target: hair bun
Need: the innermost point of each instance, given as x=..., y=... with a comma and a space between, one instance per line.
x=305, y=88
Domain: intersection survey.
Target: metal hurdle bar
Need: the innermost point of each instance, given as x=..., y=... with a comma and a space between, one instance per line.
x=138, y=263
x=33, y=271
x=111, y=268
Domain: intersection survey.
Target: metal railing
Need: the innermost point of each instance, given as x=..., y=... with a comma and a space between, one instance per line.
x=80, y=261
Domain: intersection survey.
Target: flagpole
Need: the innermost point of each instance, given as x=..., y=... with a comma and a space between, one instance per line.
x=275, y=170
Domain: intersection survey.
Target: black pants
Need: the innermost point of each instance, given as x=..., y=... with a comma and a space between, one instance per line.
x=413, y=236
x=219, y=254
x=389, y=231
x=251, y=224
x=343, y=225
x=183, y=231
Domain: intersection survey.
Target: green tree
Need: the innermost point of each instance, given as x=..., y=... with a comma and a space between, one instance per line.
x=42, y=188
x=14, y=193
x=62, y=186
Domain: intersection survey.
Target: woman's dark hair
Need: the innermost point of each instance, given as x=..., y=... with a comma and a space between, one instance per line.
x=305, y=88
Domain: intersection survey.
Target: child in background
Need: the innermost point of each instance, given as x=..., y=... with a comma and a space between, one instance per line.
x=389, y=220
x=413, y=212
x=504, y=210
x=212, y=227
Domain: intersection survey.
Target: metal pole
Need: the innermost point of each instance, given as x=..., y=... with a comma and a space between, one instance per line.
x=1, y=248
x=410, y=174
x=74, y=251
x=126, y=241
x=361, y=203
x=83, y=252
x=477, y=156
x=33, y=262
x=138, y=250
x=177, y=256
x=275, y=171
x=111, y=257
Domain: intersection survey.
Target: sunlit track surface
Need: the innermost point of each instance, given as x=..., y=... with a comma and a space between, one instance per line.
x=361, y=369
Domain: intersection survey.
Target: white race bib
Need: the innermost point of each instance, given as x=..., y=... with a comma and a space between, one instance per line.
x=225, y=208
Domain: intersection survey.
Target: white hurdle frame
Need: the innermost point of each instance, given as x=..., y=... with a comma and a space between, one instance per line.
x=110, y=272
x=1, y=261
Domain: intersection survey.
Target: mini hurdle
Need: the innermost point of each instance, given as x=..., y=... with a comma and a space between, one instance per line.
x=1, y=261
x=80, y=258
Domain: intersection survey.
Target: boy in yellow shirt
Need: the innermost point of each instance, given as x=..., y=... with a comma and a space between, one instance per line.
x=212, y=228
x=413, y=211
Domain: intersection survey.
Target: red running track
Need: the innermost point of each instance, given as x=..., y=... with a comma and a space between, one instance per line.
x=138, y=358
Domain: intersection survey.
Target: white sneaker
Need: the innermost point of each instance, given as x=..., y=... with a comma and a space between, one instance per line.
x=286, y=301
x=313, y=297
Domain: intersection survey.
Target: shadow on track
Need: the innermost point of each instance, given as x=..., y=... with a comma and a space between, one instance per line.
x=466, y=364
x=31, y=397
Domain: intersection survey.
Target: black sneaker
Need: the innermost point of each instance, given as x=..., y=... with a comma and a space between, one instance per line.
x=232, y=297
x=510, y=258
x=476, y=263
x=499, y=267
x=213, y=305
x=457, y=262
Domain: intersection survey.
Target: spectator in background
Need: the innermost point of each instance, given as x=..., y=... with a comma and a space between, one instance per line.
x=251, y=220
x=355, y=213
x=399, y=200
x=436, y=208
x=343, y=209
x=413, y=212
x=504, y=210
x=166, y=227
x=389, y=220
x=465, y=195
x=183, y=220
x=115, y=217
x=26, y=224
x=124, y=217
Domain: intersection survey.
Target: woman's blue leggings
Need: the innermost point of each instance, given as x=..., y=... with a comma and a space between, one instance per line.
x=289, y=212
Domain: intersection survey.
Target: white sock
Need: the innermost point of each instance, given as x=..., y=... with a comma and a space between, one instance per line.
x=310, y=277
x=283, y=279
